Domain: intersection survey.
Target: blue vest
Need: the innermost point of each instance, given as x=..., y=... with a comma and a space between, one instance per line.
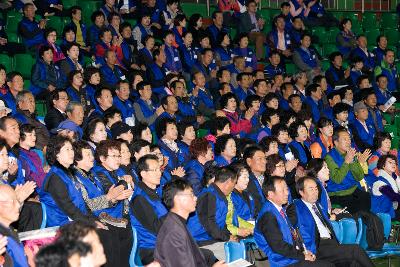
x=184, y=149
x=240, y=93
x=306, y=224
x=296, y=7
x=301, y=152
x=188, y=57
x=248, y=54
x=55, y=215
x=159, y=77
x=382, y=204
x=379, y=54
x=9, y=100
x=111, y=76
x=316, y=108
x=194, y=175
x=382, y=98
x=20, y=179
x=16, y=251
x=178, y=36
x=35, y=89
x=175, y=158
x=274, y=35
x=343, y=49
x=173, y=61
x=270, y=71
x=125, y=107
x=226, y=55
x=221, y=161
x=242, y=209
x=392, y=77
x=146, y=110
x=310, y=58
x=95, y=189
x=370, y=121
x=324, y=198
x=195, y=227
x=368, y=59
x=365, y=137
x=323, y=148
x=146, y=239
x=275, y=259
x=348, y=181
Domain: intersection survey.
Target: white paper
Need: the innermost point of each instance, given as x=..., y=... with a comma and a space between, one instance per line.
x=289, y=156
x=389, y=103
x=38, y=234
x=239, y=263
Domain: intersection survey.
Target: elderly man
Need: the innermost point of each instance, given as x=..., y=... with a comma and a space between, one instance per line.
x=9, y=213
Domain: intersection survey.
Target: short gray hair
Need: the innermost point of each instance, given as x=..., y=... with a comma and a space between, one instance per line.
x=22, y=95
x=71, y=106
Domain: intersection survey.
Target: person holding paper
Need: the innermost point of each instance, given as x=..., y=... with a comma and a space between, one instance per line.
x=318, y=235
x=388, y=69
x=274, y=233
x=175, y=246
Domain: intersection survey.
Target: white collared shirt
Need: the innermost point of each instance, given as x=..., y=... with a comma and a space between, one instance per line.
x=323, y=231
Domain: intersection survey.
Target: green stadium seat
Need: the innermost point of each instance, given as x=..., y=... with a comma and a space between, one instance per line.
x=391, y=129
x=357, y=28
x=372, y=35
x=389, y=20
x=274, y=12
x=41, y=108
x=392, y=36
x=318, y=48
x=369, y=21
x=56, y=23
x=265, y=14
x=23, y=63
x=351, y=15
x=12, y=24
x=332, y=35
x=6, y=61
x=323, y=36
x=192, y=8
x=202, y=133
x=325, y=64
x=395, y=142
x=27, y=84
x=291, y=68
x=69, y=3
x=337, y=14
x=88, y=7
x=13, y=37
x=328, y=49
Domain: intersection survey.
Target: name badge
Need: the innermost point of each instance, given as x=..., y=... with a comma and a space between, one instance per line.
x=313, y=56
x=288, y=42
x=123, y=77
x=248, y=59
x=195, y=56
x=176, y=59
x=289, y=156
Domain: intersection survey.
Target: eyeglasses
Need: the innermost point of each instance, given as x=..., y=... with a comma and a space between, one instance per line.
x=189, y=195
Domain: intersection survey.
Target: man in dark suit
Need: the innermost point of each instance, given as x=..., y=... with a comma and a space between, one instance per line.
x=250, y=22
x=316, y=229
x=175, y=246
x=275, y=235
x=58, y=101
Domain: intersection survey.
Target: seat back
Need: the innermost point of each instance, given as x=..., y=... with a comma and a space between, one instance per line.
x=134, y=259
x=234, y=251
x=349, y=229
x=387, y=223
x=337, y=228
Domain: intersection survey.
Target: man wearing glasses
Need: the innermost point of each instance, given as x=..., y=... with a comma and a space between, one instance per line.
x=147, y=207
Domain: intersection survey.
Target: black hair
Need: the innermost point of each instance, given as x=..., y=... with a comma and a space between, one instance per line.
x=143, y=164
x=223, y=101
x=54, y=146
x=294, y=127
x=224, y=174
x=379, y=138
x=251, y=150
x=221, y=142
x=44, y=49
x=171, y=189
x=269, y=184
x=219, y=124
x=339, y=108
x=161, y=126
x=300, y=183
x=24, y=129
x=91, y=128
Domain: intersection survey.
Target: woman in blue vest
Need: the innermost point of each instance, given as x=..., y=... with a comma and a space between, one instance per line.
x=100, y=202
x=201, y=153
x=386, y=188
x=45, y=75
x=277, y=167
x=142, y=30
x=187, y=134
x=95, y=132
x=225, y=150
x=345, y=39
x=244, y=51
x=92, y=84
x=223, y=52
x=243, y=202
x=61, y=191
x=188, y=52
x=299, y=146
x=145, y=56
x=173, y=62
x=75, y=90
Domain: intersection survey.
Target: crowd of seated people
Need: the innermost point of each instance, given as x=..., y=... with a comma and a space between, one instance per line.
x=177, y=134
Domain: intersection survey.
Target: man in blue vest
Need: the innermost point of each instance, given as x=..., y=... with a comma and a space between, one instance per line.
x=388, y=69
x=363, y=127
x=346, y=173
x=274, y=233
x=147, y=208
x=9, y=213
x=313, y=100
x=317, y=232
x=123, y=103
x=31, y=30
x=208, y=225
x=306, y=58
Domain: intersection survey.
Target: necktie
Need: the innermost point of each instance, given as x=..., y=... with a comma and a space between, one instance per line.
x=315, y=209
x=283, y=214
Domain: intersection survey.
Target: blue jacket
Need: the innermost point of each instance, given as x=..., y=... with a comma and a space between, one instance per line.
x=270, y=71
x=368, y=59
x=221, y=161
x=9, y=100
x=156, y=77
x=188, y=57
x=379, y=54
x=301, y=152
x=146, y=110
x=43, y=75
x=382, y=203
x=378, y=126
x=274, y=257
x=194, y=175
x=310, y=58
x=174, y=158
x=126, y=108
x=15, y=250
x=31, y=34
x=196, y=228
x=55, y=215
x=382, y=97
x=248, y=54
